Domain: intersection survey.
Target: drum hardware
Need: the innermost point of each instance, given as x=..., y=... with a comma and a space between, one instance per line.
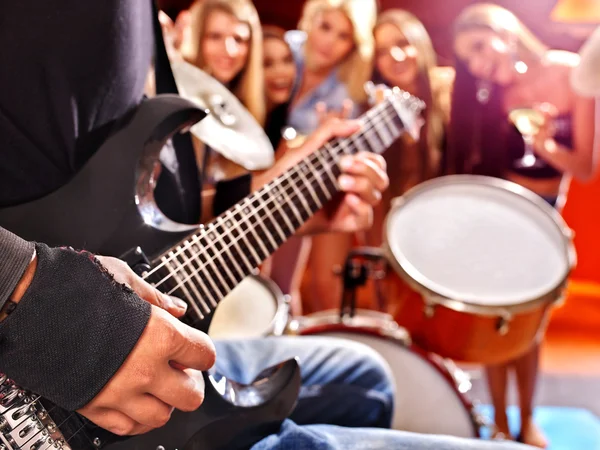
x=482, y=261
x=255, y=308
x=431, y=392
x=503, y=324
x=361, y=265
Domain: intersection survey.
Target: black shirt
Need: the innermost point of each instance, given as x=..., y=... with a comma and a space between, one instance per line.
x=68, y=69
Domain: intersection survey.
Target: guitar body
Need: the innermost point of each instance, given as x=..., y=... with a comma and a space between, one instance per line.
x=97, y=209
x=108, y=208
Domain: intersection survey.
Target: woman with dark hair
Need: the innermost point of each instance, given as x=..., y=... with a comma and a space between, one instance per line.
x=506, y=81
x=280, y=75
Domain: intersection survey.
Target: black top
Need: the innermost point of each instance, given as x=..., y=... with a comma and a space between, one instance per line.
x=69, y=71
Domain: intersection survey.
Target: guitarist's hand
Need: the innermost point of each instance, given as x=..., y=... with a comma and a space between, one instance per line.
x=151, y=382
x=362, y=181
x=122, y=273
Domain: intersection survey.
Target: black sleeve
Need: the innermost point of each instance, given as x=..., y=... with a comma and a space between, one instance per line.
x=15, y=255
x=72, y=329
x=229, y=192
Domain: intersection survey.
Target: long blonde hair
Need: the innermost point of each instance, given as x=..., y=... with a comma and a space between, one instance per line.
x=249, y=85
x=356, y=68
x=504, y=23
x=415, y=33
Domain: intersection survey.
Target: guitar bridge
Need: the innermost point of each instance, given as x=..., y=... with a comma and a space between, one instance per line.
x=24, y=422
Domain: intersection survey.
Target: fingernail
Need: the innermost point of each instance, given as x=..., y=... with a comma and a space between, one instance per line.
x=178, y=303
x=346, y=182
x=353, y=200
x=346, y=163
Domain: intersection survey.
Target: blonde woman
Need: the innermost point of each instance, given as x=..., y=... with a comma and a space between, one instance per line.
x=333, y=49
x=225, y=40
x=502, y=66
x=404, y=57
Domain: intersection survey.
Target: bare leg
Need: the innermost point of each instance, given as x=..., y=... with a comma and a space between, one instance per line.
x=497, y=378
x=526, y=368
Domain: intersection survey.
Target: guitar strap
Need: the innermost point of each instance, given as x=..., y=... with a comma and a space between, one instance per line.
x=184, y=178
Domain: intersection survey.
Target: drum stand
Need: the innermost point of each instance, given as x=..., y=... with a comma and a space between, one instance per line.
x=358, y=268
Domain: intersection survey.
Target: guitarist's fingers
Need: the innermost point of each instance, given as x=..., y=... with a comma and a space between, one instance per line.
x=122, y=273
x=114, y=421
x=331, y=128
x=190, y=348
x=147, y=410
x=183, y=390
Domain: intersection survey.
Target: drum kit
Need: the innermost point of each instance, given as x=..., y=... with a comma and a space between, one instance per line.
x=469, y=271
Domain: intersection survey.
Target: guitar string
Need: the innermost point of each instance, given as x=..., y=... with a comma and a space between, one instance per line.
x=332, y=151
x=273, y=184
x=219, y=252
x=290, y=189
x=331, y=158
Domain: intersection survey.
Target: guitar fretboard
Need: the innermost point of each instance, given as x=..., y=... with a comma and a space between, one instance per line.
x=205, y=267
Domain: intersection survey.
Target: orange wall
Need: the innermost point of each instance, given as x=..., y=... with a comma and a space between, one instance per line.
x=582, y=213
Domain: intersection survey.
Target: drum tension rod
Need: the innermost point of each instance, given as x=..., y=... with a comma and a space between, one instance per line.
x=355, y=273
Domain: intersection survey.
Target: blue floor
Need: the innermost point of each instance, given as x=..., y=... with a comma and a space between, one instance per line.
x=566, y=428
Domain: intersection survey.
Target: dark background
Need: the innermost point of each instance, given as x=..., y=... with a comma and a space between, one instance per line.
x=437, y=15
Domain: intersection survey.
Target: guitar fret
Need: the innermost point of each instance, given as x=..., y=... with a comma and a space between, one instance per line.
x=267, y=237
x=308, y=211
x=303, y=170
x=213, y=263
x=357, y=141
x=281, y=201
x=231, y=242
x=252, y=235
x=393, y=129
x=210, y=274
x=240, y=239
x=324, y=189
x=199, y=261
x=206, y=297
x=373, y=140
x=326, y=165
x=189, y=277
x=180, y=285
x=383, y=133
x=222, y=252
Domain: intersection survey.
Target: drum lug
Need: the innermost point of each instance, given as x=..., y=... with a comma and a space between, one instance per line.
x=503, y=324
x=429, y=310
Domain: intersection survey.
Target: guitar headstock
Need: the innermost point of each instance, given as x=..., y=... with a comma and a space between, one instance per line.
x=407, y=106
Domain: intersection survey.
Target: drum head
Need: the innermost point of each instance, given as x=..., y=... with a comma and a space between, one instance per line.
x=427, y=399
x=479, y=240
x=249, y=311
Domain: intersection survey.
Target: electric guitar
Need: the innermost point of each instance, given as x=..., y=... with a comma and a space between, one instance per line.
x=108, y=208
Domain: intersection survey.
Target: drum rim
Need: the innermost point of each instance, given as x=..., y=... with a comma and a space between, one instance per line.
x=280, y=319
x=330, y=320
x=416, y=281
x=279, y=322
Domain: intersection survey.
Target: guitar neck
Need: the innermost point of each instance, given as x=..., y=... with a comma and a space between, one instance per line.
x=206, y=266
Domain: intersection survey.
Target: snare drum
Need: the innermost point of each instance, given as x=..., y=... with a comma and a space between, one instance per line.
x=430, y=395
x=489, y=259
x=255, y=308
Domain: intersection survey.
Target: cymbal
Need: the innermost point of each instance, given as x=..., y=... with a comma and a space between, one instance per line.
x=229, y=129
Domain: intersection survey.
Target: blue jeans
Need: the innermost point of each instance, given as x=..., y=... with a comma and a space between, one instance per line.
x=344, y=384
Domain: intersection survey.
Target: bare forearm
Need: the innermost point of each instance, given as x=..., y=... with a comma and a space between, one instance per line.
x=566, y=160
